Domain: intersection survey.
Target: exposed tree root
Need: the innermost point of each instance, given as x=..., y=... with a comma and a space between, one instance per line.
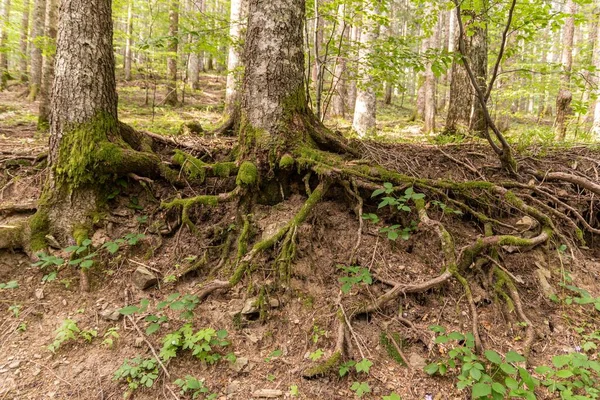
x=16, y=208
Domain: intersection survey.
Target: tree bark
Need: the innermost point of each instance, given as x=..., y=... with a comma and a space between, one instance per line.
x=564, y=97
x=35, y=80
x=461, y=94
x=128, y=42
x=194, y=59
x=340, y=91
x=23, y=43
x=236, y=24
x=48, y=69
x=430, y=106
x=171, y=98
x=5, y=74
x=275, y=112
x=478, y=56
x=366, y=102
x=352, y=79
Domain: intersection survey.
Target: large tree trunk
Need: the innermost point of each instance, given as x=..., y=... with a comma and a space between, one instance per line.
x=24, y=41
x=171, y=98
x=429, y=107
x=564, y=97
x=351, y=72
x=3, y=44
x=35, y=80
x=86, y=150
x=48, y=70
x=366, y=101
x=194, y=60
x=129, y=42
x=236, y=23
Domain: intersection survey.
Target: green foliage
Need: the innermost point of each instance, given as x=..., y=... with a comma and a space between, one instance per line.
x=492, y=376
x=200, y=343
x=195, y=388
x=356, y=275
x=360, y=388
x=316, y=355
x=9, y=285
x=69, y=331
x=399, y=203
x=274, y=354
x=392, y=396
x=110, y=336
x=137, y=372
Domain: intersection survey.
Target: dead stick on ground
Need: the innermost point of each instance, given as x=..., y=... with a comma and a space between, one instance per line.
x=137, y=328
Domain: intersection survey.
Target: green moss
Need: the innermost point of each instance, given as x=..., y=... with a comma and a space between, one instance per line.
x=247, y=174
x=286, y=162
x=224, y=169
x=242, y=244
x=83, y=147
x=325, y=367
x=39, y=226
x=192, y=167
x=391, y=350
x=80, y=233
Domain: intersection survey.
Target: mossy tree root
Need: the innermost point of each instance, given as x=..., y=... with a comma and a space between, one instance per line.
x=12, y=236
x=242, y=265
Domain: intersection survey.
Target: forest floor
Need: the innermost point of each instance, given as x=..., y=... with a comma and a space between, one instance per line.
x=270, y=353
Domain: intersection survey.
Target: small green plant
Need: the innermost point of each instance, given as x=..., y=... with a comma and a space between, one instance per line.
x=46, y=261
x=22, y=327
x=584, y=297
x=356, y=276
x=294, y=391
x=399, y=203
x=81, y=255
x=201, y=343
x=131, y=239
x=155, y=323
x=15, y=309
x=317, y=333
x=316, y=355
x=69, y=331
x=274, y=354
x=195, y=387
x=392, y=396
x=360, y=388
x=494, y=376
x=137, y=372
x=9, y=285
x=445, y=209
x=186, y=304
x=110, y=337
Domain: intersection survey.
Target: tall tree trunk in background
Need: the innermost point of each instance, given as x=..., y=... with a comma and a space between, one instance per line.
x=563, y=100
x=591, y=78
x=429, y=110
x=128, y=42
x=236, y=24
x=478, y=58
x=23, y=43
x=35, y=79
x=596, y=108
x=461, y=94
x=3, y=44
x=340, y=91
x=171, y=98
x=48, y=69
x=364, y=122
x=420, y=102
x=352, y=78
x=194, y=60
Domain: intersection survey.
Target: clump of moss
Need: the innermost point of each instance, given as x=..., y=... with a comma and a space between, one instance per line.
x=192, y=167
x=80, y=233
x=391, y=350
x=286, y=162
x=247, y=174
x=83, y=147
x=39, y=226
x=223, y=169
